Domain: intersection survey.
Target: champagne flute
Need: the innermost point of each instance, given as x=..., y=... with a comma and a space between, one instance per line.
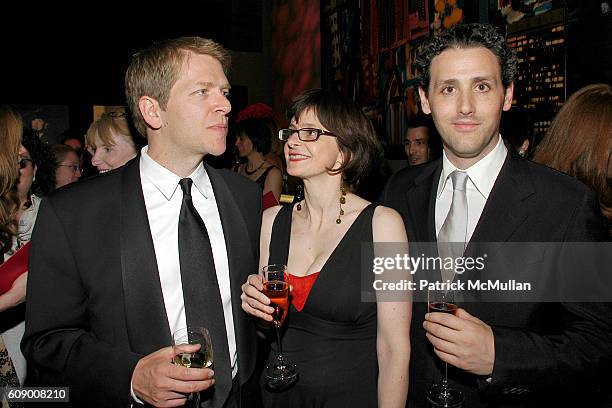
x=202, y=358
x=280, y=374
x=442, y=395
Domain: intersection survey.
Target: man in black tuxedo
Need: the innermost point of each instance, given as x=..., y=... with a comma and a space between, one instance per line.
x=109, y=280
x=499, y=354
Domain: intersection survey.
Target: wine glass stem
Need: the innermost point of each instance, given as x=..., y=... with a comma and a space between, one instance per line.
x=445, y=381
x=280, y=346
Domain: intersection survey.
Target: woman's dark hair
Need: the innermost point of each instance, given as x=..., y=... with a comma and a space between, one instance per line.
x=468, y=36
x=43, y=159
x=354, y=132
x=258, y=131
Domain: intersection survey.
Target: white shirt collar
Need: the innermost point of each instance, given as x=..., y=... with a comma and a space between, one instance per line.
x=166, y=181
x=483, y=173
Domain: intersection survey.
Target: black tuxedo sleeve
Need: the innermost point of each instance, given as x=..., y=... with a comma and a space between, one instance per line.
x=59, y=342
x=574, y=356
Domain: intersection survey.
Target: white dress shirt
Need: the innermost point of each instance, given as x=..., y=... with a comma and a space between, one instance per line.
x=163, y=198
x=481, y=178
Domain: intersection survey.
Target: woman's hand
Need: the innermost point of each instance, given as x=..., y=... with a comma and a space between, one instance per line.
x=16, y=294
x=254, y=302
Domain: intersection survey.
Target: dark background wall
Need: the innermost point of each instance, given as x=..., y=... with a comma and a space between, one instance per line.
x=74, y=59
x=77, y=58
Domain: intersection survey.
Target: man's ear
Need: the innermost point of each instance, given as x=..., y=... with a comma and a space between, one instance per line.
x=424, y=101
x=508, y=97
x=150, y=111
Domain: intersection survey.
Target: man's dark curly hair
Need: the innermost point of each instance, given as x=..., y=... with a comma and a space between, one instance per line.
x=468, y=36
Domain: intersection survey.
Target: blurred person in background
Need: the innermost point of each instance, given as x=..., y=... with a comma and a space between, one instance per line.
x=35, y=180
x=37, y=169
x=68, y=167
x=253, y=142
x=12, y=367
x=420, y=135
x=111, y=142
x=264, y=112
x=39, y=125
x=579, y=142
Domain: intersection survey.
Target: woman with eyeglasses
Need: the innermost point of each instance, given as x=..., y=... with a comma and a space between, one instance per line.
x=12, y=363
x=67, y=165
x=111, y=142
x=347, y=352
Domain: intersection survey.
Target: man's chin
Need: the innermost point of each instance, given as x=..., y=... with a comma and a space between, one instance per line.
x=217, y=150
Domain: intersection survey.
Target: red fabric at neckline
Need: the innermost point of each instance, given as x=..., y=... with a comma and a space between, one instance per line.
x=301, y=288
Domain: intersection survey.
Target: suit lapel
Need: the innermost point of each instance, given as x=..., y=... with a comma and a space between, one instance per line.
x=506, y=208
x=241, y=261
x=147, y=323
x=237, y=243
x=422, y=203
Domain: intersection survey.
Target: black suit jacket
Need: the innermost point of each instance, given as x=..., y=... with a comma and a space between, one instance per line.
x=546, y=354
x=95, y=303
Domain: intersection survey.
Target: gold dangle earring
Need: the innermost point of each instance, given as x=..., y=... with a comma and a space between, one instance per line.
x=299, y=196
x=342, y=201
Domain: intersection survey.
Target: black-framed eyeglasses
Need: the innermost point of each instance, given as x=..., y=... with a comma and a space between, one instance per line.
x=74, y=167
x=23, y=162
x=304, y=134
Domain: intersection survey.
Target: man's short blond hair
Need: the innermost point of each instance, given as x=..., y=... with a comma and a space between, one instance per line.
x=154, y=71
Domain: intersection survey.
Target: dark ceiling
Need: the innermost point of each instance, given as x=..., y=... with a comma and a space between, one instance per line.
x=54, y=59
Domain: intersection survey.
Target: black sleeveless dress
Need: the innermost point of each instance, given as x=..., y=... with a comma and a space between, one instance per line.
x=261, y=180
x=332, y=340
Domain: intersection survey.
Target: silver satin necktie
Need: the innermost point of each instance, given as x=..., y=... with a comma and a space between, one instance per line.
x=452, y=235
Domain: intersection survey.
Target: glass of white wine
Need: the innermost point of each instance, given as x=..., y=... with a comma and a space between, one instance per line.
x=202, y=358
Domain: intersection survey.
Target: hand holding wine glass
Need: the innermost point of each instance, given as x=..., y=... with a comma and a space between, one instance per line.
x=462, y=340
x=156, y=380
x=183, y=342
x=441, y=395
x=280, y=374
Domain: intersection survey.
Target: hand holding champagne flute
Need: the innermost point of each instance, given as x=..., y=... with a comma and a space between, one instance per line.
x=440, y=301
x=276, y=288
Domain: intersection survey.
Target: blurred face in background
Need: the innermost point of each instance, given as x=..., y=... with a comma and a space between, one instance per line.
x=417, y=145
x=244, y=145
x=38, y=124
x=106, y=156
x=27, y=171
x=68, y=170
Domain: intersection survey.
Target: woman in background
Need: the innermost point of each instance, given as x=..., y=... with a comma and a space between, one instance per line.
x=67, y=165
x=111, y=142
x=35, y=161
x=36, y=178
x=579, y=142
x=11, y=129
x=253, y=141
